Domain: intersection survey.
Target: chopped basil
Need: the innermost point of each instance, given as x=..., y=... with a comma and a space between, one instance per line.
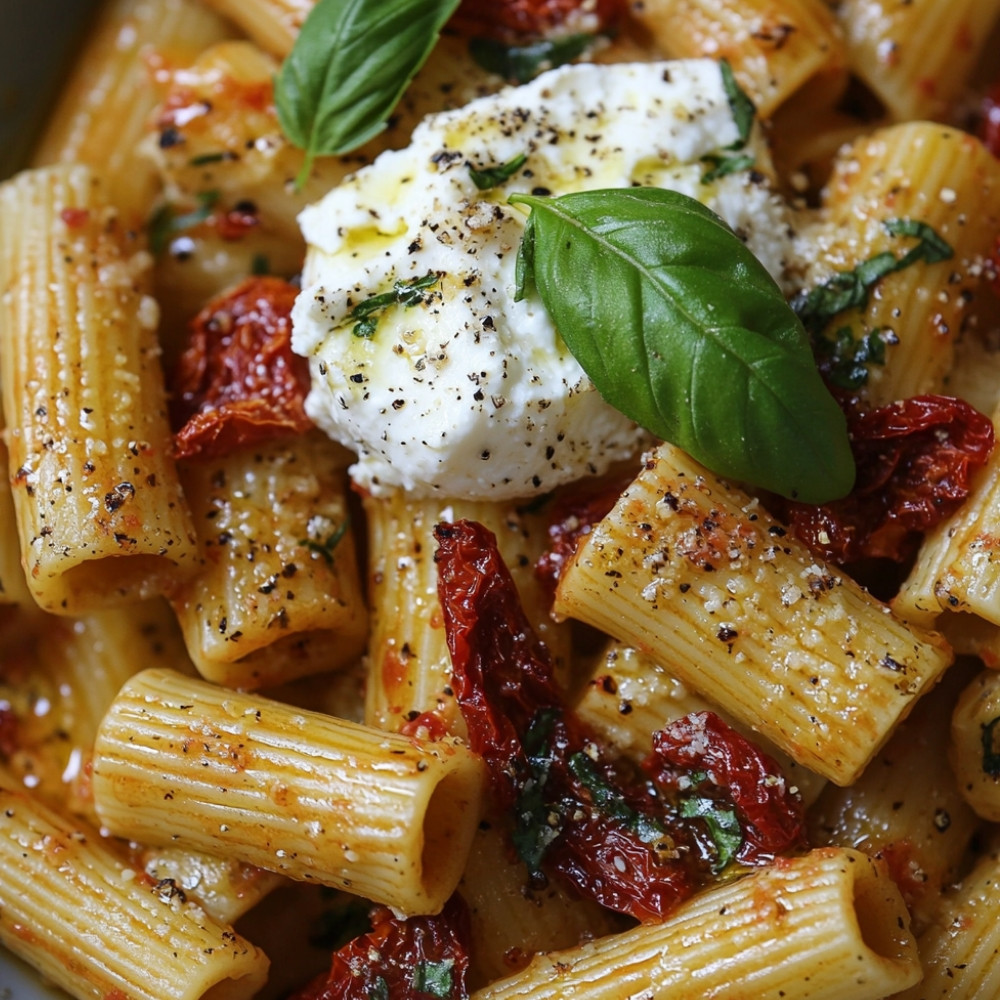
x=491, y=177
x=348, y=68
x=166, y=222
x=661, y=303
x=435, y=978
x=845, y=358
x=723, y=826
x=407, y=292
x=379, y=989
x=721, y=166
x=260, y=264
x=521, y=63
x=742, y=107
x=206, y=158
x=610, y=801
x=536, y=824
x=325, y=547
x=991, y=754
x=849, y=289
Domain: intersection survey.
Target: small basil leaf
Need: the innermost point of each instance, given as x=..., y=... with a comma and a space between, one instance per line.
x=486, y=178
x=522, y=63
x=742, y=107
x=682, y=329
x=348, y=68
x=723, y=827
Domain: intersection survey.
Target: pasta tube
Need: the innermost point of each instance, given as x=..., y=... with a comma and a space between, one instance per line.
x=97, y=929
x=99, y=507
x=697, y=574
x=304, y=794
x=826, y=926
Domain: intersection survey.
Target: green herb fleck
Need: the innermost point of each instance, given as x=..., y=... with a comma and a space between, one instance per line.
x=435, y=978
x=491, y=177
x=260, y=264
x=379, y=989
x=845, y=358
x=721, y=166
x=611, y=802
x=167, y=222
x=522, y=63
x=991, y=754
x=723, y=827
x=740, y=104
x=536, y=823
x=325, y=547
x=205, y=158
x=407, y=293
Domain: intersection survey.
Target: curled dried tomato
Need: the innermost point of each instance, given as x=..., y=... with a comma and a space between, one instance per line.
x=580, y=814
x=410, y=958
x=514, y=20
x=238, y=381
x=914, y=460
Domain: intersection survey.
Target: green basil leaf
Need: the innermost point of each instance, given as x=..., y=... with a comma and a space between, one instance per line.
x=723, y=827
x=743, y=109
x=486, y=178
x=682, y=329
x=349, y=66
x=522, y=63
x=435, y=978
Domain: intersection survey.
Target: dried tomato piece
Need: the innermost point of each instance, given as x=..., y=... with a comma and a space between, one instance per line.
x=771, y=815
x=914, y=461
x=514, y=20
x=411, y=958
x=238, y=381
x=579, y=813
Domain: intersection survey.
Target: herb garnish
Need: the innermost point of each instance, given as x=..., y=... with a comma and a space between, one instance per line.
x=348, y=68
x=723, y=827
x=721, y=166
x=405, y=292
x=325, y=547
x=491, y=177
x=167, y=222
x=536, y=822
x=844, y=358
x=435, y=978
x=681, y=328
x=849, y=289
x=742, y=107
x=522, y=63
x=991, y=755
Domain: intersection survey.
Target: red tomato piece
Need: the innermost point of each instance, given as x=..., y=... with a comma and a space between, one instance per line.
x=238, y=382
x=513, y=20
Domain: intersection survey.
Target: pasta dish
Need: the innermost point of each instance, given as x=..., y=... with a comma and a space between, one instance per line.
x=503, y=502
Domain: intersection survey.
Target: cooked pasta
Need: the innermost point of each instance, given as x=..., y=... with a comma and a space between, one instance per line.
x=411, y=584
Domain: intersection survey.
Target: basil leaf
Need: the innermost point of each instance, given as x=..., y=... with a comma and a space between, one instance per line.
x=681, y=328
x=435, y=978
x=348, y=68
x=491, y=177
x=406, y=292
x=166, y=222
x=522, y=63
x=743, y=109
x=722, y=166
x=723, y=827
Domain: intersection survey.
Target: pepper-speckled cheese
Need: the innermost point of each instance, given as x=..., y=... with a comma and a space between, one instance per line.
x=460, y=390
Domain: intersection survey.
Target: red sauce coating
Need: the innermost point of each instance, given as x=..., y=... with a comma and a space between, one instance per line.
x=400, y=959
x=914, y=461
x=238, y=382
x=520, y=20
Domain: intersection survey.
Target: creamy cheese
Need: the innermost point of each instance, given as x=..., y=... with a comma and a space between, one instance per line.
x=458, y=389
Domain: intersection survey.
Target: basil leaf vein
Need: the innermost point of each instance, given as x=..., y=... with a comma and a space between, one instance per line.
x=348, y=68
x=683, y=330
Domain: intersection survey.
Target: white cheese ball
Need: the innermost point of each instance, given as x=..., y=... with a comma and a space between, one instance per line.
x=467, y=392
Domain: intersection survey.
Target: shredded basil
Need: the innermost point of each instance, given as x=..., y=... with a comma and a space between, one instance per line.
x=847, y=358
x=522, y=63
x=166, y=222
x=662, y=304
x=491, y=177
x=849, y=289
x=379, y=989
x=435, y=978
x=991, y=755
x=205, y=158
x=611, y=803
x=721, y=166
x=722, y=824
x=348, y=68
x=260, y=264
x=325, y=547
x=536, y=824
x=742, y=107
x=408, y=292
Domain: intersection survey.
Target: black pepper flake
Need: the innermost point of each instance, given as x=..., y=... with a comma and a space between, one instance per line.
x=726, y=634
x=119, y=496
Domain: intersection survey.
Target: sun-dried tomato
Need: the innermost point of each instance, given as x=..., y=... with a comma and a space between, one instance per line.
x=513, y=20
x=771, y=816
x=574, y=515
x=238, y=381
x=580, y=814
x=415, y=958
x=914, y=460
